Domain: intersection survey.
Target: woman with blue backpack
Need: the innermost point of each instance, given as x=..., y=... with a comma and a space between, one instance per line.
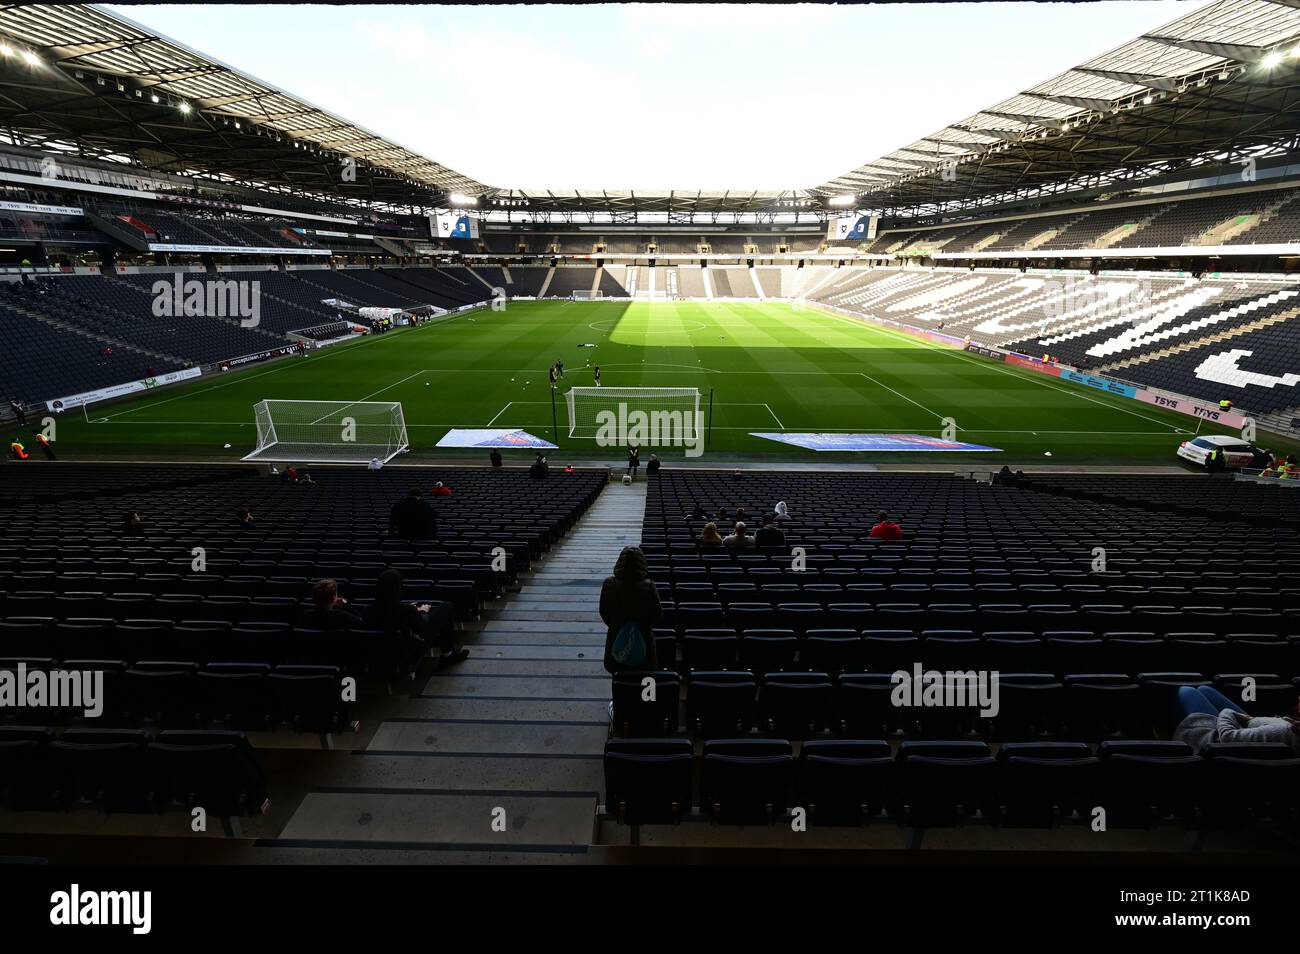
x=630, y=607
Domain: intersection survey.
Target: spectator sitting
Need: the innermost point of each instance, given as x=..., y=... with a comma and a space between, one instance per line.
x=698, y=513
x=738, y=539
x=495, y=458
x=723, y=516
x=132, y=524
x=1209, y=716
x=291, y=474
x=886, y=529
x=539, y=467
x=246, y=518
x=441, y=490
x=710, y=537
x=652, y=466
x=375, y=464
x=781, y=511
x=422, y=623
x=1004, y=477
x=413, y=518
x=568, y=468
x=328, y=609
x=769, y=534
x=741, y=516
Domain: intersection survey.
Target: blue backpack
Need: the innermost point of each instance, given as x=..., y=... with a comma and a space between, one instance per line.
x=629, y=648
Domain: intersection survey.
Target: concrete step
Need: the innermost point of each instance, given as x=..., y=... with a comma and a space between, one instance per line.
x=367, y=818
x=491, y=738
x=519, y=726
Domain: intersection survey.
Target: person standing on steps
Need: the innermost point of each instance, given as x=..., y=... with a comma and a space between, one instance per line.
x=629, y=608
x=633, y=461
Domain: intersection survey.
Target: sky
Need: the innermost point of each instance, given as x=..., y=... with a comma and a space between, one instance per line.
x=656, y=96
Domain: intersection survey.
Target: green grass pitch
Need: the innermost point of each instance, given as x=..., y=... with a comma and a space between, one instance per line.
x=772, y=366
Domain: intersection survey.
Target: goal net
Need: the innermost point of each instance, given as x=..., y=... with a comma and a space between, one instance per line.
x=586, y=295
x=324, y=432
x=650, y=417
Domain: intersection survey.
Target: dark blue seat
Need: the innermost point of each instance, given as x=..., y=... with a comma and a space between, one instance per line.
x=721, y=704
x=946, y=783
x=768, y=650
x=832, y=651
x=710, y=649
x=845, y=782
x=746, y=781
x=795, y=705
x=648, y=781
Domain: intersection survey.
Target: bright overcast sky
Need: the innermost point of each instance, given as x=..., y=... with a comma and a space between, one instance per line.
x=645, y=96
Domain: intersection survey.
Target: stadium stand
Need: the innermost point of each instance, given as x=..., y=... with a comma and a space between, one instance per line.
x=570, y=278
x=217, y=659
x=786, y=675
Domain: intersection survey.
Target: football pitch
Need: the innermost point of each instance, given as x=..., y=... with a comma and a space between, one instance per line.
x=771, y=367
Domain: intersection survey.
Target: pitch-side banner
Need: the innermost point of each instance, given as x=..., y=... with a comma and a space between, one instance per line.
x=1206, y=412
x=118, y=390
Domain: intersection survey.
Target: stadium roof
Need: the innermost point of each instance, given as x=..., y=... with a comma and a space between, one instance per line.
x=1207, y=88
x=108, y=87
x=1217, y=85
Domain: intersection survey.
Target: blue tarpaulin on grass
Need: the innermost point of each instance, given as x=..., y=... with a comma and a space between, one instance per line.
x=872, y=442
x=493, y=437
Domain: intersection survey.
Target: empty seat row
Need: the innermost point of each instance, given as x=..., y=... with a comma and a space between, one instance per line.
x=179, y=695
x=1010, y=706
x=129, y=771
x=1056, y=651
x=851, y=782
x=378, y=653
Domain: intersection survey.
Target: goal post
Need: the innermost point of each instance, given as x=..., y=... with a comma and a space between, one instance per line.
x=642, y=416
x=586, y=295
x=328, y=432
